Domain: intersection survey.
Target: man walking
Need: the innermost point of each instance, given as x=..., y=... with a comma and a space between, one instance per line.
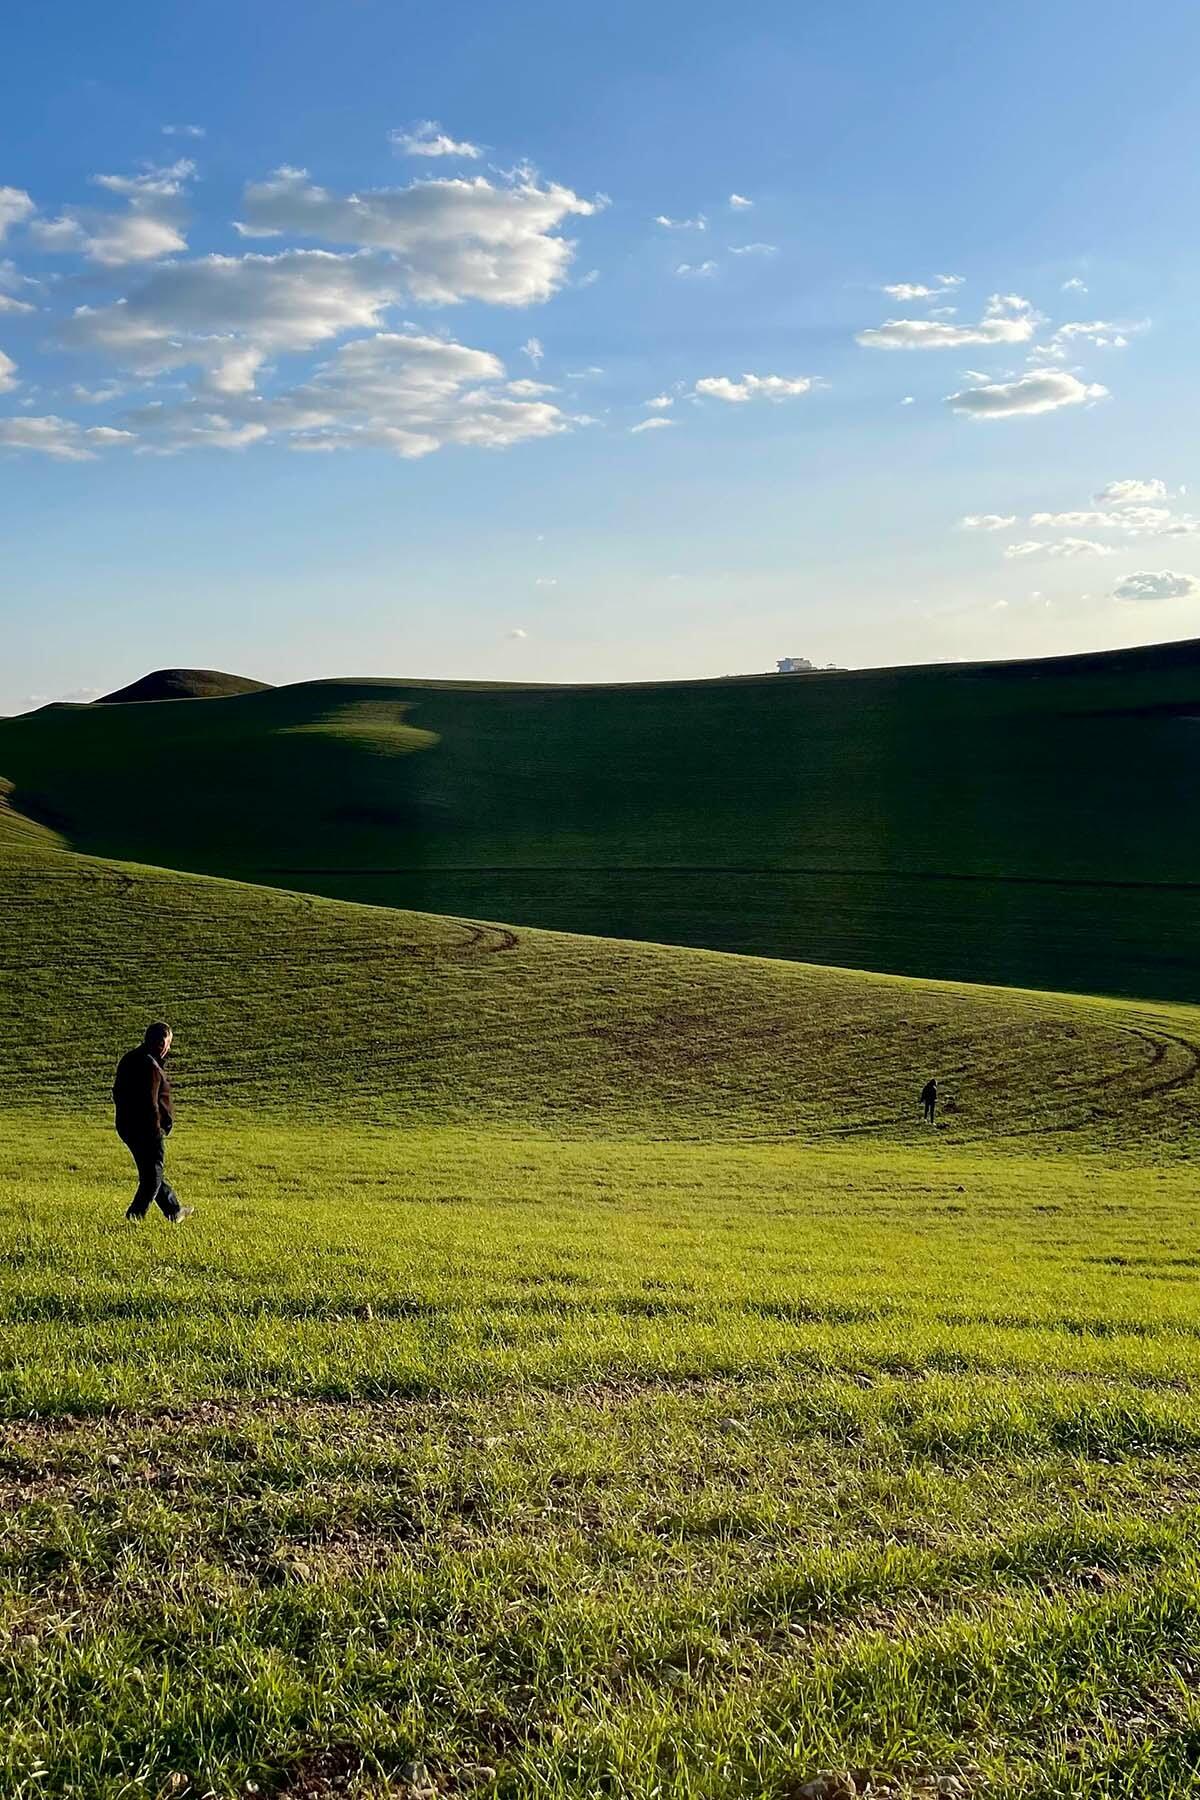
x=142, y=1097
x=929, y=1100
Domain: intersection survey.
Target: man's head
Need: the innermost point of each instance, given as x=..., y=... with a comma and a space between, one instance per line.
x=158, y=1038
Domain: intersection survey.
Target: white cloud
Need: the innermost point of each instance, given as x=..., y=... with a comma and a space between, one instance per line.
x=451, y=239
x=8, y=373
x=1062, y=549
x=657, y=424
x=589, y=280
x=187, y=131
x=921, y=290
x=1041, y=392
x=1121, y=509
x=1132, y=492
x=518, y=631
x=752, y=387
x=1103, y=334
x=693, y=269
x=158, y=181
x=754, y=249
x=401, y=392
x=534, y=350
x=10, y=304
x=59, y=438
x=1072, y=521
x=546, y=581
x=1164, y=584
x=660, y=402
x=1074, y=286
x=739, y=202
x=699, y=223
x=1133, y=521
x=908, y=290
x=15, y=208
x=525, y=389
x=1154, y=521
x=150, y=228
x=1007, y=320
x=224, y=314
x=99, y=396
x=131, y=237
x=428, y=139
x=909, y=400
x=163, y=429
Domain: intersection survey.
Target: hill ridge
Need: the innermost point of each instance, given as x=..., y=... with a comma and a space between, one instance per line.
x=182, y=684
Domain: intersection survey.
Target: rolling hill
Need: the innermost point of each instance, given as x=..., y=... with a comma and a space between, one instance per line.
x=1018, y=823
x=301, y=1007
x=581, y=1373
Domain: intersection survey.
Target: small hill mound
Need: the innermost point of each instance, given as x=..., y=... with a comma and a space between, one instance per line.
x=184, y=684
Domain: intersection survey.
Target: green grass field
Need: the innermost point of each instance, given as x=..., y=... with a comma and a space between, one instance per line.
x=1014, y=823
x=582, y=1374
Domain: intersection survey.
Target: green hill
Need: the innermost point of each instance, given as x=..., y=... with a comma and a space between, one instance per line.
x=183, y=684
x=298, y=1007
x=1017, y=822
x=581, y=1374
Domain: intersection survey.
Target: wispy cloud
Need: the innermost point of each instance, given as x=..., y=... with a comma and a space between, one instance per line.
x=1147, y=492
x=656, y=424
x=427, y=138
x=1060, y=549
x=752, y=387
x=1007, y=319
x=693, y=271
x=922, y=290
x=739, y=202
x=62, y=439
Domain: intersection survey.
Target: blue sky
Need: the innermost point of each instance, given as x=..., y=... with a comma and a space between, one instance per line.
x=331, y=334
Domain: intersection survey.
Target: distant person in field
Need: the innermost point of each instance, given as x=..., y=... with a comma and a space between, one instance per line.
x=929, y=1100
x=142, y=1097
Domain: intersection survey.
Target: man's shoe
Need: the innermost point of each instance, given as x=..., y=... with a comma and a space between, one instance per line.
x=185, y=1212
x=134, y=1218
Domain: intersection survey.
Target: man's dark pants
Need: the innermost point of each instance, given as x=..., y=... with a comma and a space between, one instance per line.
x=149, y=1154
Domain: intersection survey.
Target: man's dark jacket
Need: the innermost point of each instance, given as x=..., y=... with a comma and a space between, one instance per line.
x=142, y=1097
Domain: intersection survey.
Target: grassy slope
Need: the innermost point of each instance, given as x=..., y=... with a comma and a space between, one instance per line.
x=965, y=822
x=293, y=1004
x=581, y=1376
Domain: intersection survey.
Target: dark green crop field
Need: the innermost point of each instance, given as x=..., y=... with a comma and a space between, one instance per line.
x=1018, y=823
